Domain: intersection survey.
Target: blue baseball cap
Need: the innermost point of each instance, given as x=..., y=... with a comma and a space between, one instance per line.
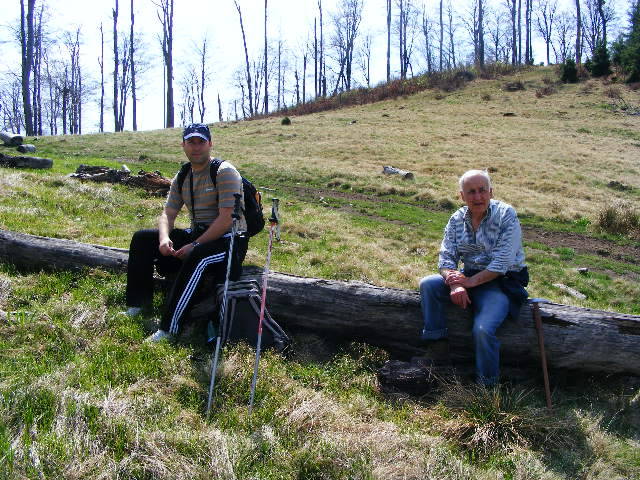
x=197, y=130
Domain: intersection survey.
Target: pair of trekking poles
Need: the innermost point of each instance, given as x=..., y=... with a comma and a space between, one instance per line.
x=273, y=225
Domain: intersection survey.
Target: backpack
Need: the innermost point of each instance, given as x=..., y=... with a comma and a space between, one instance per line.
x=252, y=198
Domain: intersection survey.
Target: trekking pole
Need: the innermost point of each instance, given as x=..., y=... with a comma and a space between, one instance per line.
x=235, y=216
x=274, y=221
x=543, y=356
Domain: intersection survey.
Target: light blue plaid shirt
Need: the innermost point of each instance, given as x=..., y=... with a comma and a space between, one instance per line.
x=496, y=245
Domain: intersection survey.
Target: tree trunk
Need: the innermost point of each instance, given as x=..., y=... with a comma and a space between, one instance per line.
x=266, y=65
x=323, y=71
x=27, y=44
x=578, y=34
x=101, y=62
x=246, y=58
x=134, y=100
x=576, y=338
x=441, y=37
x=116, y=63
x=481, y=34
x=388, y=41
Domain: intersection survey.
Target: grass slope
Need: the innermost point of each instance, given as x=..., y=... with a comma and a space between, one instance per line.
x=82, y=397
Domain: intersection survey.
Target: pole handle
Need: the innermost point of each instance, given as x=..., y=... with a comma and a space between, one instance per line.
x=275, y=215
x=236, y=207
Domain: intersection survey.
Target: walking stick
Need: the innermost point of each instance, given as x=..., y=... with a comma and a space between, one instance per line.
x=273, y=222
x=543, y=355
x=235, y=216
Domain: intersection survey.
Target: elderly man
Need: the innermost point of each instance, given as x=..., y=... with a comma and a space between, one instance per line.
x=192, y=251
x=486, y=236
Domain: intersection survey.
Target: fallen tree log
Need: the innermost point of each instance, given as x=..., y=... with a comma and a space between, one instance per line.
x=11, y=139
x=391, y=170
x=576, y=338
x=26, y=148
x=152, y=182
x=24, y=162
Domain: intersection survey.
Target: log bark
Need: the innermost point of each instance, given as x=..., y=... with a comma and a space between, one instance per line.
x=389, y=170
x=11, y=139
x=34, y=252
x=26, y=148
x=24, y=162
x=576, y=338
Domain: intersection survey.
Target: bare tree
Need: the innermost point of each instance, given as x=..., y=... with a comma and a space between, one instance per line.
x=563, y=34
x=124, y=82
x=187, y=86
x=219, y=109
x=496, y=32
x=511, y=5
x=427, y=34
x=101, y=63
x=474, y=24
x=11, y=108
x=388, y=41
x=165, y=16
x=27, y=47
x=202, y=80
x=72, y=85
x=594, y=23
x=519, y=32
x=132, y=44
x=365, y=58
x=451, y=55
x=480, y=35
x=248, y=68
x=544, y=21
x=316, y=82
x=323, y=67
x=38, y=54
x=441, y=43
x=266, y=64
x=346, y=22
x=116, y=66
x=578, y=33
x=405, y=28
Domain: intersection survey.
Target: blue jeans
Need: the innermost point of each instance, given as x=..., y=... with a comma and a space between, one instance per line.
x=490, y=308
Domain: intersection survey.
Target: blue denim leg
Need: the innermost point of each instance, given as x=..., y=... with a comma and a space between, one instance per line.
x=433, y=295
x=490, y=308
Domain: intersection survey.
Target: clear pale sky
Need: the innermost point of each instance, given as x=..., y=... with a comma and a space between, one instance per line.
x=291, y=20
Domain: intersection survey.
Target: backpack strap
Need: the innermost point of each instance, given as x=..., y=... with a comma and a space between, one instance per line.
x=182, y=174
x=215, y=165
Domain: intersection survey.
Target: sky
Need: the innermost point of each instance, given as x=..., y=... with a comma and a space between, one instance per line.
x=291, y=20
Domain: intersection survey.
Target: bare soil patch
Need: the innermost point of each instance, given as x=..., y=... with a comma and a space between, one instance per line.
x=584, y=244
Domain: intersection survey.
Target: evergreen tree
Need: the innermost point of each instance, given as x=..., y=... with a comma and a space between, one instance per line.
x=600, y=64
x=626, y=50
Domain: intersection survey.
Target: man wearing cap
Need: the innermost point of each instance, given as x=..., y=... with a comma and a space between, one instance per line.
x=485, y=235
x=192, y=251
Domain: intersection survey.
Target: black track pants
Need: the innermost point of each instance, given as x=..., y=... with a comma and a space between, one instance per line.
x=207, y=258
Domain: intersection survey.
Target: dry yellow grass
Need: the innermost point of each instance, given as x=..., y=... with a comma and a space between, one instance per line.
x=553, y=157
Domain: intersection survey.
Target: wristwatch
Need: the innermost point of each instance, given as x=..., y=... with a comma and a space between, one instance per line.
x=195, y=244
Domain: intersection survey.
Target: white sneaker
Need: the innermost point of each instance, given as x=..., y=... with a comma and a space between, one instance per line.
x=158, y=336
x=133, y=311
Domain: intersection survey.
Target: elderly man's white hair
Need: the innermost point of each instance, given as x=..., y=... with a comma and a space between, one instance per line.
x=473, y=173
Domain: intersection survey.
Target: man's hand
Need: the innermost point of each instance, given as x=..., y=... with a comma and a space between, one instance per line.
x=166, y=248
x=460, y=296
x=455, y=277
x=184, y=252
